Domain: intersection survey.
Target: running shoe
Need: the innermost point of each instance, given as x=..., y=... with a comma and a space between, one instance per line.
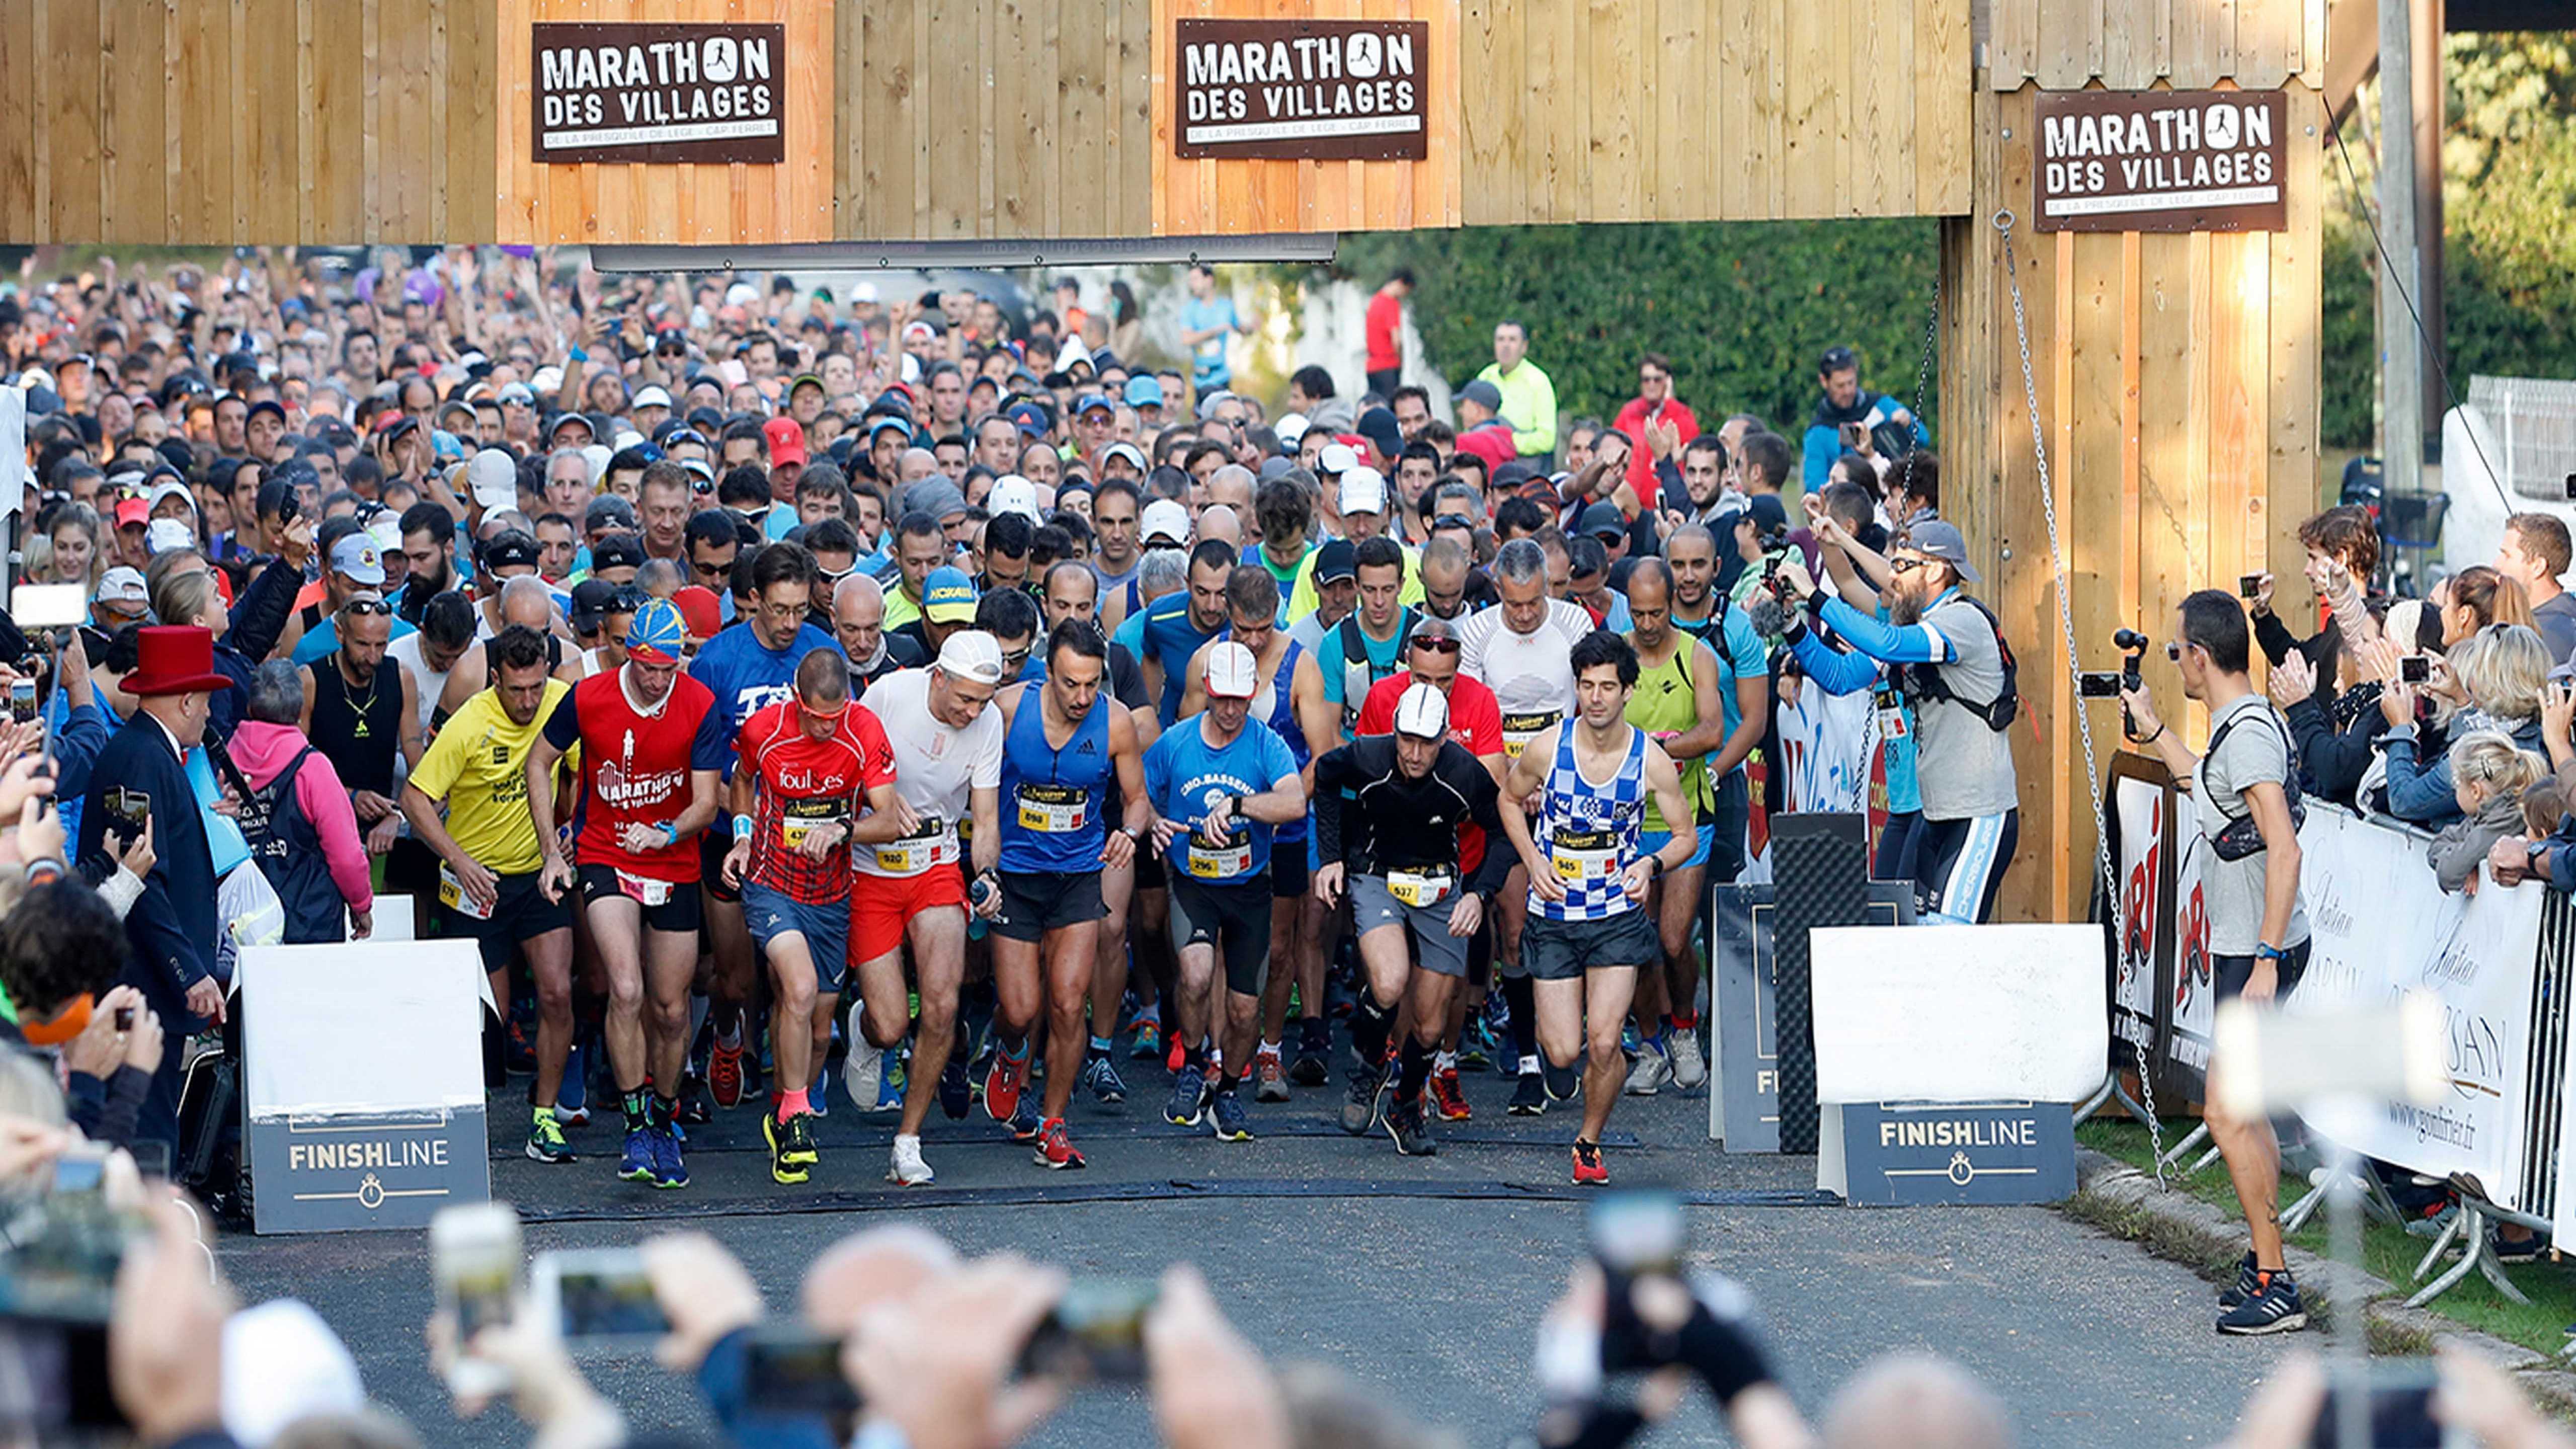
x=693, y=1109
x=821, y=1093
x=2247, y=1283
x=1563, y=1083
x=2273, y=1307
x=1004, y=1083
x=1690, y=1064
x=670, y=1170
x=518, y=1058
x=1313, y=1066
x=1233, y=1123
x=1588, y=1171
x=1476, y=1046
x=1447, y=1099
x=863, y=1073
x=724, y=1075
x=1175, y=1052
x=1359, y=1103
x=904, y=1166
x=1274, y=1082
x=1529, y=1097
x=956, y=1095
x=1149, y=1041
x=635, y=1164
x=1404, y=1123
x=1100, y=1074
x=1054, y=1148
x=1025, y=1122
x=784, y=1165
x=546, y=1140
x=572, y=1099
x=2525, y=1249
x=1648, y=1074
x=1189, y=1096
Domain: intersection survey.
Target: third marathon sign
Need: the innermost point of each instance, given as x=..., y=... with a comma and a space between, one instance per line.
x=659, y=93
x=2161, y=161
x=1302, y=89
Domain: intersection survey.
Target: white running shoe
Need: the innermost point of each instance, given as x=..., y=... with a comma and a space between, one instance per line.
x=906, y=1166
x=862, y=1072
x=1690, y=1065
x=1650, y=1073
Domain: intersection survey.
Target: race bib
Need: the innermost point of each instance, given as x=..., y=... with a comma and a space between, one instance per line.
x=1584, y=855
x=1419, y=888
x=1520, y=729
x=798, y=819
x=451, y=894
x=930, y=845
x=1054, y=809
x=643, y=892
x=1219, y=860
x=1891, y=716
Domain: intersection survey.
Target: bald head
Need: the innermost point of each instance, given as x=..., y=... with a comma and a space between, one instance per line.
x=524, y=600
x=1220, y=523
x=858, y=618
x=868, y=1268
x=1915, y=1401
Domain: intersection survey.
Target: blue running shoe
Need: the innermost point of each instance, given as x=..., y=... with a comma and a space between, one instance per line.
x=572, y=1099
x=821, y=1095
x=1189, y=1094
x=892, y=1082
x=1026, y=1123
x=669, y=1171
x=1233, y=1123
x=636, y=1163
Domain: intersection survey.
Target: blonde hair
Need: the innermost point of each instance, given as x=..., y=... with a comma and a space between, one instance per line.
x=2491, y=760
x=2504, y=668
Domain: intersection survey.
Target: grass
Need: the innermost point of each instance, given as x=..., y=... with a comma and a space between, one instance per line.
x=2387, y=1252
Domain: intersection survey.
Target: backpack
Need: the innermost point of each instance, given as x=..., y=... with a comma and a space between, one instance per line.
x=1925, y=681
x=2240, y=836
x=1358, y=673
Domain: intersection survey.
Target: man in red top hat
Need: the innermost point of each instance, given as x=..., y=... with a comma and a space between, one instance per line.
x=140, y=784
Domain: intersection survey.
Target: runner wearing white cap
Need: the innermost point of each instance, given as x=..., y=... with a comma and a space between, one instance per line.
x=1387, y=812
x=1219, y=782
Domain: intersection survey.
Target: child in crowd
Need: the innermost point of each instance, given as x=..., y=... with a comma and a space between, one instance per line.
x=2489, y=776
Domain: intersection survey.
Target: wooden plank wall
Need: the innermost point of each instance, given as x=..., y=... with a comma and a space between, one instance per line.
x=169, y=122
x=694, y=204
x=2134, y=44
x=2178, y=380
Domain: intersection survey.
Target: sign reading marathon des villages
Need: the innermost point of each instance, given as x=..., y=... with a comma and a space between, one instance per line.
x=1333, y=90
x=659, y=93
x=2161, y=161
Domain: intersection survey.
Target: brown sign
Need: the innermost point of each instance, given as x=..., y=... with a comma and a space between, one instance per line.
x=2161, y=161
x=659, y=93
x=1334, y=90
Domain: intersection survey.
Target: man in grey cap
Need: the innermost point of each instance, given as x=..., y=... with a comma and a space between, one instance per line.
x=1946, y=652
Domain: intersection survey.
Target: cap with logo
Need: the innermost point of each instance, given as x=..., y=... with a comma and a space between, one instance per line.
x=1363, y=491
x=657, y=632
x=1423, y=712
x=122, y=586
x=1166, y=520
x=1942, y=541
x=1336, y=459
x=355, y=555
x=1012, y=493
x=971, y=654
x=1336, y=562
x=1030, y=418
x=1230, y=672
x=786, y=441
x=616, y=551
x=1092, y=402
x=948, y=596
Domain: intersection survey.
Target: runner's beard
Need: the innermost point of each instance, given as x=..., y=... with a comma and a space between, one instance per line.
x=1904, y=608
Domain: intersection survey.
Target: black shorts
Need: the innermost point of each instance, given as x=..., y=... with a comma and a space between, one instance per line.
x=2234, y=971
x=1234, y=918
x=1150, y=875
x=520, y=912
x=1289, y=877
x=678, y=914
x=411, y=868
x=714, y=844
x=1035, y=902
x=1554, y=950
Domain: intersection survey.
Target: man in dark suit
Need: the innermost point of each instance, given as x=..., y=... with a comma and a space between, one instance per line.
x=141, y=779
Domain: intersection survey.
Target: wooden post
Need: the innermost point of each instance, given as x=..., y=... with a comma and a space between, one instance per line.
x=2401, y=365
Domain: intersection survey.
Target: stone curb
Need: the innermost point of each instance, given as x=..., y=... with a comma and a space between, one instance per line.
x=2209, y=1241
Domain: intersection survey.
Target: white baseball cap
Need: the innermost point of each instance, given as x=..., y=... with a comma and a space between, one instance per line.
x=1363, y=490
x=1230, y=674
x=1012, y=493
x=1423, y=712
x=652, y=395
x=1290, y=428
x=972, y=654
x=1164, y=519
x=494, y=479
x=1336, y=459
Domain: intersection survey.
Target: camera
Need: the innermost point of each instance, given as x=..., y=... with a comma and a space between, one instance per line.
x=2415, y=669
x=2399, y=1394
x=2097, y=684
x=2571, y=487
x=2249, y=585
x=2133, y=646
x=1095, y=1334
x=1635, y=1233
x=597, y=1295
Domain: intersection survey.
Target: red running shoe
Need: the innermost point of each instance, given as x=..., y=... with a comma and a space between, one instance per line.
x=1446, y=1098
x=1003, y=1084
x=1588, y=1171
x=724, y=1074
x=1054, y=1148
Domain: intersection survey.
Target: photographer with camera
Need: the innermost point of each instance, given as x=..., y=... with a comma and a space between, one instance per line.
x=2246, y=791
x=1952, y=665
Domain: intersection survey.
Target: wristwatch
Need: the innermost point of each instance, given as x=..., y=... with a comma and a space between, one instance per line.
x=2264, y=952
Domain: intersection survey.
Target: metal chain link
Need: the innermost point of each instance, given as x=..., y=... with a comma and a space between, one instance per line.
x=1923, y=380
x=2066, y=621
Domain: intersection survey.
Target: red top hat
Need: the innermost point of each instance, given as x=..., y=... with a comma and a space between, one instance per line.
x=175, y=659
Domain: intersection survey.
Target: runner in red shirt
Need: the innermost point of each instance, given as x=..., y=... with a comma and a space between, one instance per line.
x=806, y=761
x=652, y=750
x=1385, y=332
x=1476, y=723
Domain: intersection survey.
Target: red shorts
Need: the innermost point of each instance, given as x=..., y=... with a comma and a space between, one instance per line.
x=882, y=904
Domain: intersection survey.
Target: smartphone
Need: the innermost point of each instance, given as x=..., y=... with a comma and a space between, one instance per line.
x=2571, y=487
x=596, y=1296
x=2097, y=684
x=2249, y=585
x=22, y=700
x=2399, y=1410
x=2414, y=669
x=48, y=606
x=1638, y=1232
x=1853, y=434
x=474, y=1265
x=80, y=1170
x=792, y=1371
x=1096, y=1333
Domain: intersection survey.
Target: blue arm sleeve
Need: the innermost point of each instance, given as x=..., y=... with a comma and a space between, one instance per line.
x=1833, y=670
x=1887, y=643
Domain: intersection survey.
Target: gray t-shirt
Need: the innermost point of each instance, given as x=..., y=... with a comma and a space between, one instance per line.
x=2556, y=621
x=1963, y=768
x=2255, y=751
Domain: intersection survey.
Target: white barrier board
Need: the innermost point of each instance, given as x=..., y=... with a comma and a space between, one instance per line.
x=363, y=1026
x=1958, y=1013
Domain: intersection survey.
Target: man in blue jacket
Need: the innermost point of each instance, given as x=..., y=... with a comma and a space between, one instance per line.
x=1892, y=428
x=141, y=781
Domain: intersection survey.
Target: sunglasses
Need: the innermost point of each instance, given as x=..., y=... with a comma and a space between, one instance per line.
x=1905, y=565
x=367, y=606
x=1453, y=520
x=1437, y=646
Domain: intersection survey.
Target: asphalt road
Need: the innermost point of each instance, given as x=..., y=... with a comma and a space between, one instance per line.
x=1421, y=1278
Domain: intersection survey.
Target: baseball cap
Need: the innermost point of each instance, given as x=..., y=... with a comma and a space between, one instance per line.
x=1836, y=359
x=700, y=610
x=1029, y=418
x=510, y=549
x=1336, y=561
x=804, y=380
x=1336, y=459
x=121, y=586
x=1423, y=712
x=1128, y=451
x=1379, y=426
x=1164, y=519
x=590, y=603
x=356, y=556
x=1144, y=392
x=657, y=632
x=494, y=480
x=1209, y=402
x=172, y=488
x=132, y=512
x=1482, y=393
x=948, y=596
x=786, y=441
x=1363, y=491
x=608, y=508
x=1230, y=674
x=1603, y=520
x=1290, y=428
x=617, y=551
x=1090, y=400
x=1940, y=540
x=519, y=393
x=167, y=534
x=971, y=654
x=652, y=395
x=1012, y=493
x=889, y=420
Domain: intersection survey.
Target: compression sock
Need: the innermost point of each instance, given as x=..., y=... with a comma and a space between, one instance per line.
x=1417, y=1067
x=791, y=1103
x=1369, y=1023
x=1523, y=1001
x=638, y=1108
x=1100, y=1046
x=662, y=1108
x=698, y=1008
x=1194, y=1059
x=1445, y=1062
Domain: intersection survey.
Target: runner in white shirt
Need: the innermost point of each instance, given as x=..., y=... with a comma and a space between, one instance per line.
x=947, y=739
x=1522, y=649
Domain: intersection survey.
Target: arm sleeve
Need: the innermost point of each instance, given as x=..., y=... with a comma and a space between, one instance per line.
x=317, y=790
x=1887, y=643
x=1332, y=772
x=1835, y=671
x=563, y=727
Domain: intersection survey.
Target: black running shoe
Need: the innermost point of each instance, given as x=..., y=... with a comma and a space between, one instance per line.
x=2274, y=1307
x=695, y=1108
x=1529, y=1096
x=1562, y=1082
x=2245, y=1285
x=1412, y=1134
x=1359, y=1103
x=1312, y=1066
x=955, y=1096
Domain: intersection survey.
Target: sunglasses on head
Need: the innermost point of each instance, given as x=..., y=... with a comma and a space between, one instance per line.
x=367, y=606
x=1437, y=646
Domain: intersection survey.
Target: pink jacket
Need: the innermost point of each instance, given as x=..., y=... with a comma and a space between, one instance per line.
x=264, y=751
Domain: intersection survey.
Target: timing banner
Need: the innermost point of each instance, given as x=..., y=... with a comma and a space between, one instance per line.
x=2140, y=811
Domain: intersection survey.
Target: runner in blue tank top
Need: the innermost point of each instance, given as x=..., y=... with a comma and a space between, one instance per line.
x=1588, y=931
x=1062, y=744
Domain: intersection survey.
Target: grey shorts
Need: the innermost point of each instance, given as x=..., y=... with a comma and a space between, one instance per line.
x=1554, y=950
x=1372, y=906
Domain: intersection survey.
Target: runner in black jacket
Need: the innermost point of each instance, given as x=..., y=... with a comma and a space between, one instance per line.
x=1403, y=797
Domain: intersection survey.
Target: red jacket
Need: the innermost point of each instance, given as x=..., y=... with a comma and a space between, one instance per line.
x=1641, y=463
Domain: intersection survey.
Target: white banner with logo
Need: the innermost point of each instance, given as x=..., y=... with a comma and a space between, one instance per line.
x=2141, y=806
